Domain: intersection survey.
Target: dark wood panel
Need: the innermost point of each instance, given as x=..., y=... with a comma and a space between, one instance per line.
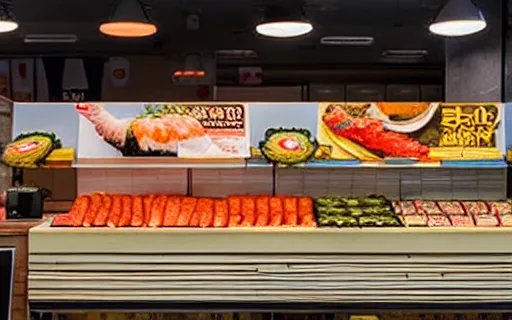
x=19, y=308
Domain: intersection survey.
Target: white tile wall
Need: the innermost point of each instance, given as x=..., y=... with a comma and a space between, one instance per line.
x=133, y=181
x=431, y=183
x=437, y=184
x=220, y=183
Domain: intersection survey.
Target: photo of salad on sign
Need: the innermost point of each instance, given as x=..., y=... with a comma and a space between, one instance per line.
x=184, y=130
x=413, y=131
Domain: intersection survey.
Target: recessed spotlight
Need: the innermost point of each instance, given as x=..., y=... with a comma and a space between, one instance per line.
x=236, y=53
x=347, y=41
x=50, y=38
x=404, y=56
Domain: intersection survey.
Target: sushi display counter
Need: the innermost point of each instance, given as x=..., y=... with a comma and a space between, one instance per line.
x=208, y=205
x=234, y=254
x=406, y=267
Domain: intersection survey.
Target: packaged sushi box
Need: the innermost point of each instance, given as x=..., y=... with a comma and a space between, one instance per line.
x=417, y=220
x=438, y=221
x=397, y=208
x=486, y=220
x=451, y=207
x=475, y=207
x=506, y=220
x=427, y=207
x=408, y=208
x=461, y=220
x=500, y=208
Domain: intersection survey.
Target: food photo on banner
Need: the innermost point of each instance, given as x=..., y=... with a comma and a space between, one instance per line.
x=178, y=130
x=426, y=132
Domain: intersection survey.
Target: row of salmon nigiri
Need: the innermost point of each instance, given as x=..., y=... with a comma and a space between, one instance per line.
x=118, y=210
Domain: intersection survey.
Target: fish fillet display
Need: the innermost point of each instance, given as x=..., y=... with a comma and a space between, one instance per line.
x=371, y=134
x=127, y=211
x=157, y=134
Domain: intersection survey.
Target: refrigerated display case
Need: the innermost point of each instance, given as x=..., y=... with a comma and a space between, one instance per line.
x=421, y=153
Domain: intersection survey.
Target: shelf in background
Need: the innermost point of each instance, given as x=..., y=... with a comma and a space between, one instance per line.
x=156, y=163
x=180, y=163
x=357, y=164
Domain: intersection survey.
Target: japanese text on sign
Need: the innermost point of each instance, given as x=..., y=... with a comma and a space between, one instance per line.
x=468, y=126
x=216, y=116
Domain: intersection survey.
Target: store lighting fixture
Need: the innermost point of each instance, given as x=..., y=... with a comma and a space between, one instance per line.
x=282, y=23
x=7, y=21
x=193, y=67
x=347, y=41
x=236, y=54
x=458, y=18
x=50, y=38
x=130, y=20
x=404, y=56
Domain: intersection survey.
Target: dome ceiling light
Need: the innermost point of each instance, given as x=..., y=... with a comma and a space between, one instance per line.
x=7, y=21
x=130, y=20
x=458, y=18
x=279, y=22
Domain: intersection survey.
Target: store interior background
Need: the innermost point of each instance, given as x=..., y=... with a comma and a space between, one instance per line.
x=475, y=68
x=293, y=69
x=471, y=68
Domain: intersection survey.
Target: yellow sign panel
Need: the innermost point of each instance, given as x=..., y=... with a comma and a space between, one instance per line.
x=468, y=125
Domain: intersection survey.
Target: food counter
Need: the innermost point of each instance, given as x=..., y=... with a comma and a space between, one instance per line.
x=345, y=207
x=222, y=258
x=424, y=265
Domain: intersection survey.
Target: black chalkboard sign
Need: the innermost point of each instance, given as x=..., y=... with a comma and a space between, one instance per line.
x=6, y=281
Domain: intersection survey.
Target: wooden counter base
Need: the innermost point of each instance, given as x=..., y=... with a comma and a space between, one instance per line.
x=15, y=234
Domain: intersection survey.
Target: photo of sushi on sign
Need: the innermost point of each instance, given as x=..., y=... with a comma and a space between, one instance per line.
x=184, y=130
x=409, y=131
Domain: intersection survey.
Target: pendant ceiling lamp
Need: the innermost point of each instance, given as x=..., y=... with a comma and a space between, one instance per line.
x=7, y=21
x=458, y=18
x=282, y=23
x=130, y=20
